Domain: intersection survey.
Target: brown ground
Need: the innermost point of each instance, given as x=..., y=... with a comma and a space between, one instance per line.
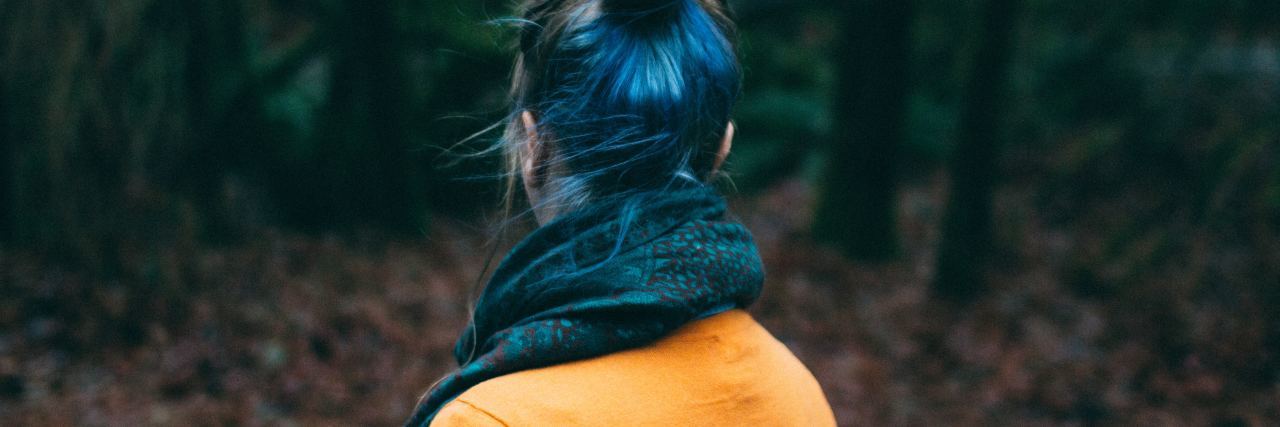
x=293, y=330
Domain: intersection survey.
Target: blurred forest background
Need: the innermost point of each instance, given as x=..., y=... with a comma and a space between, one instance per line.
x=1024, y=212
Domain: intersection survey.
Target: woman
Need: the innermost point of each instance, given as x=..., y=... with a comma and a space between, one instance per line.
x=625, y=306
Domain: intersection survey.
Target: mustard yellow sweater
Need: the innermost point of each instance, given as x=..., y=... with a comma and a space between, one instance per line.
x=725, y=370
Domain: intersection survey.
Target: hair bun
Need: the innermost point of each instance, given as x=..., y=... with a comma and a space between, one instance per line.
x=635, y=5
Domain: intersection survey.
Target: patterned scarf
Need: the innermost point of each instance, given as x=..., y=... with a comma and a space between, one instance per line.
x=596, y=282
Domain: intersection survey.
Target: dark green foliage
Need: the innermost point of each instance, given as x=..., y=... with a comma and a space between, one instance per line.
x=151, y=124
x=99, y=123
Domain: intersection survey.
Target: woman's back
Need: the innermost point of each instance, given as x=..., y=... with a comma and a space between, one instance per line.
x=722, y=370
x=606, y=314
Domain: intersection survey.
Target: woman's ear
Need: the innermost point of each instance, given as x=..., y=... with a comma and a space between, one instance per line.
x=725, y=145
x=530, y=154
x=536, y=167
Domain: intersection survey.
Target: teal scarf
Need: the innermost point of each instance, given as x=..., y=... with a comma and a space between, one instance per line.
x=603, y=280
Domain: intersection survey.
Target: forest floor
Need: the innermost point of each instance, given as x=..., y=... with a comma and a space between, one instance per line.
x=296, y=330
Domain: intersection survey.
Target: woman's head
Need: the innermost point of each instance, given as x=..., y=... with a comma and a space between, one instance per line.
x=619, y=97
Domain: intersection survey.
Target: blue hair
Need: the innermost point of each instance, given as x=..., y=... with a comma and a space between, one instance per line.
x=630, y=96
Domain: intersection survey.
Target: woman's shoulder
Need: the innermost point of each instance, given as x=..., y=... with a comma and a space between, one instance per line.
x=721, y=370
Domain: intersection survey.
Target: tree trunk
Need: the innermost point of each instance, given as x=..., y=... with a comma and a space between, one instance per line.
x=856, y=210
x=364, y=166
x=6, y=168
x=225, y=120
x=967, y=228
